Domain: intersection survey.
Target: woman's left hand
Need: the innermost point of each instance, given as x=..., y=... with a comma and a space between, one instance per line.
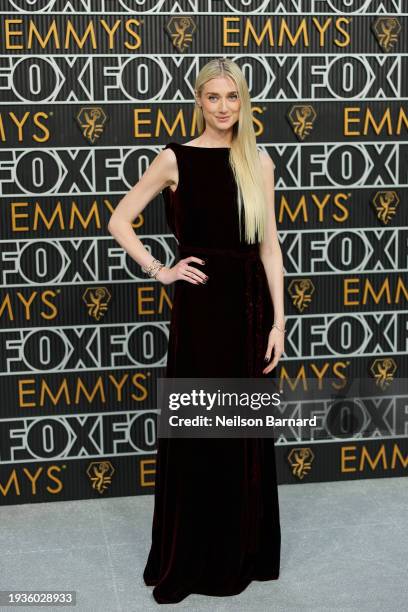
x=276, y=341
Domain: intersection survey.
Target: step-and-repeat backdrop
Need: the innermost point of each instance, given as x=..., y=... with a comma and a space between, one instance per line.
x=90, y=92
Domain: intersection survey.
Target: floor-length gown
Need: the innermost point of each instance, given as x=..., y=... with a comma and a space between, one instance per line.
x=216, y=512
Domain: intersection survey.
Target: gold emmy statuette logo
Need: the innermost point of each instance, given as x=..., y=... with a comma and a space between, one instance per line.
x=97, y=299
x=385, y=204
x=300, y=460
x=386, y=31
x=91, y=120
x=383, y=371
x=181, y=30
x=301, y=291
x=100, y=474
x=301, y=118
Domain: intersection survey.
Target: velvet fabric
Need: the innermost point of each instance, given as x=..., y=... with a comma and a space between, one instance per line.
x=216, y=512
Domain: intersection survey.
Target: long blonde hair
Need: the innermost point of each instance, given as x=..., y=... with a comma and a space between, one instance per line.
x=244, y=156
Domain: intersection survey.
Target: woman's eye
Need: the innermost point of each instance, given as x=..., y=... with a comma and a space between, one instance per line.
x=231, y=96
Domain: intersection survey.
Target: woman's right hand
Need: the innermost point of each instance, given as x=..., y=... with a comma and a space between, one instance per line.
x=183, y=271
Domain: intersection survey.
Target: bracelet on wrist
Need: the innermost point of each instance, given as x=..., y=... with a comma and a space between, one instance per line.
x=279, y=328
x=154, y=275
x=153, y=268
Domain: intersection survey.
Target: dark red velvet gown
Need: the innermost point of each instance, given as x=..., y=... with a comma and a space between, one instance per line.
x=216, y=513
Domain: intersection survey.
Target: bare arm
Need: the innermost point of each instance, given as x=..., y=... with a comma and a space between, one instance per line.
x=271, y=256
x=161, y=173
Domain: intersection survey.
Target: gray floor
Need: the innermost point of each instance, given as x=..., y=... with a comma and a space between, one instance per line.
x=344, y=547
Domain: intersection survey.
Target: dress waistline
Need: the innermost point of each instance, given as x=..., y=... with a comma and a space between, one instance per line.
x=251, y=253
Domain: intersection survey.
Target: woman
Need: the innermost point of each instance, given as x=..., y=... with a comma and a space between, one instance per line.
x=216, y=515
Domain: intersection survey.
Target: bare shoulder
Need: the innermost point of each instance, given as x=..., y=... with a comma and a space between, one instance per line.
x=161, y=172
x=166, y=159
x=166, y=154
x=266, y=160
x=166, y=164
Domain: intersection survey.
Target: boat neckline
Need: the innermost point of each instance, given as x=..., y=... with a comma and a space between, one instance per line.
x=195, y=147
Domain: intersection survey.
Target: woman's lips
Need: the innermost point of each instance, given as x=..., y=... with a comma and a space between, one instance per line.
x=222, y=118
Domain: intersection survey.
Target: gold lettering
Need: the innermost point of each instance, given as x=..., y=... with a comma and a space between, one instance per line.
x=347, y=38
x=90, y=396
x=12, y=480
x=6, y=303
x=397, y=453
x=80, y=41
x=321, y=28
x=146, y=471
x=133, y=34
x=22, y=392
x=118, y=385
x=366, y=457
x=141, y=299
x=46, y=393
x=249, y=29
x=348, y=289
x=42, y=127
x=345, y=458
x=228, y=30
x=50, y=474
x=110, y=31
x=366, y=122
x=9, y=33
x=33, y=478
x=302, y=29
x=381, y=295
x=34, y=33
x=141, y=387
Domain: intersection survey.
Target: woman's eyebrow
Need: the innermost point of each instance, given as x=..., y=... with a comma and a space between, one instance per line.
x=214, y=93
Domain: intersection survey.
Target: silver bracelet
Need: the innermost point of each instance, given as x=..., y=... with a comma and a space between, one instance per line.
x=153, y=268
x=154, y=273
x=278, y=328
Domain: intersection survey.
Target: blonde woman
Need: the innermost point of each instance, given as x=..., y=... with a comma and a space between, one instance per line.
x=216, y=514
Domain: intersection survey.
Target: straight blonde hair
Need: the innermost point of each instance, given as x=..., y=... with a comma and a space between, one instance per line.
x=244, y=157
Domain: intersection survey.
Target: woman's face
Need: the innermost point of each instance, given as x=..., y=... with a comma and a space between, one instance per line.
x=220, y=103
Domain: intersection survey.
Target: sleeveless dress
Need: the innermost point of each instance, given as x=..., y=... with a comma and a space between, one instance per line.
x=216, y=512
